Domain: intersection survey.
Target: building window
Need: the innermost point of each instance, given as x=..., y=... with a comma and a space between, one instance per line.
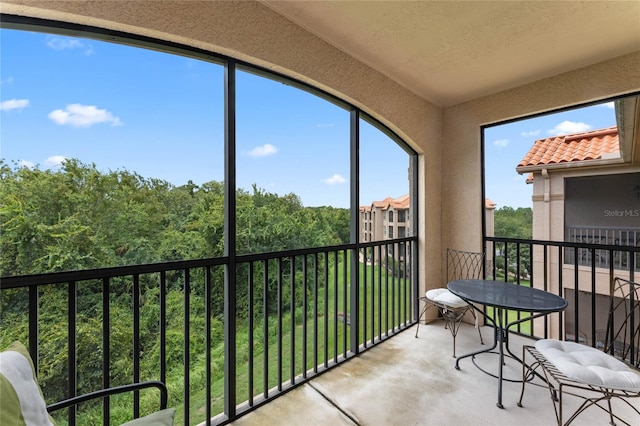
x=401, y=232
x=401, y=216
x=390, y=215
x=391, y=232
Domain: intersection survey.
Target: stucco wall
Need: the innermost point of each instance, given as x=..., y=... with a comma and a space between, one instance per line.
x=461, y=208
x=251, y=32
x=254, y=33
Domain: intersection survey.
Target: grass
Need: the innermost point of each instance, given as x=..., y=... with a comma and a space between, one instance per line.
x=383, y=302
x=524, y=327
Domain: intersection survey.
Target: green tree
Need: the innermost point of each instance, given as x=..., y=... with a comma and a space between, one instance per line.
x=78, y=217
x=514, y=223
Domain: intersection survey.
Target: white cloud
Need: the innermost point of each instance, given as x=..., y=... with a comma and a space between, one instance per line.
x=7, y=80
x=61, y=43
x=501, y=143
x=609, y=105
x=27, y=164
x=55, y=160
x=76, y=115
x=14, y=104
x=567, y=127
x=335, y=179
x=531, y=133
x=263, y=151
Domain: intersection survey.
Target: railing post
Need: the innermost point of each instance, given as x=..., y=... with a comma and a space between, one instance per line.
x=106, y=345
x=354, y=311
x=71, y=353
x=230, y=240
x=354, y=308
x=187, y=344
x=33, y=326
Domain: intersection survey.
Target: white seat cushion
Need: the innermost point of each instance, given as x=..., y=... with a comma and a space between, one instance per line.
x=445, y=297
x=589, y=365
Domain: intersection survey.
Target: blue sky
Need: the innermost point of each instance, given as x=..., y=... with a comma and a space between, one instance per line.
x=506, y=146
x=161, y=116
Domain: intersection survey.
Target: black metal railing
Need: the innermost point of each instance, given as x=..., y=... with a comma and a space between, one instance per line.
x=559, y=267
x=294, y=315
x=604, y=236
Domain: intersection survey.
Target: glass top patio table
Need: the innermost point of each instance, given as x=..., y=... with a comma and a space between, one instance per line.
x=503, y=296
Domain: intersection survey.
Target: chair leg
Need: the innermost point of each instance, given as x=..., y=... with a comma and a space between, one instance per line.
x=528, y=372
x=422, y=314
x=611, y=422
x=453, y=320
x=475, y=321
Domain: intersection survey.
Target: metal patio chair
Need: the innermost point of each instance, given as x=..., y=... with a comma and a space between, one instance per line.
x=597, y=375
x=23, y=401
x=461, y=265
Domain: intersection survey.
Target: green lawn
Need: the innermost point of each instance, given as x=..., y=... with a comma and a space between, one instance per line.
x=384, y=303
x=385, y=306
x=524, y=327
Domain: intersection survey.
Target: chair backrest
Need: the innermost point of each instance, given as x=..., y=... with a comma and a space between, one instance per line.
x=570, y=329
x=622, y=336
x=464, y=265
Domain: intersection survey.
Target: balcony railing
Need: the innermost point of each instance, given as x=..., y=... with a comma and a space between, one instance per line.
x=241, y=331
x=560, y=267
x=249, y=328
x=609, y=236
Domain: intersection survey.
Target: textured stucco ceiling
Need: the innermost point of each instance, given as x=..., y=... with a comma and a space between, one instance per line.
x=449, y=52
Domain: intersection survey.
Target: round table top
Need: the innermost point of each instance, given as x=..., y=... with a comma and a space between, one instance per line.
x=507, y=295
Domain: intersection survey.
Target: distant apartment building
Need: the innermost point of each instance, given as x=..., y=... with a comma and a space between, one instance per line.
x=385, y=220
x=390, y=218
x=584, y=191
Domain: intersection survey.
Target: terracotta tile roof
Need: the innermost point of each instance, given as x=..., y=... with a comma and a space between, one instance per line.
x=488, y=204
x=396, y=203
x=401, y=203
x=382, y=204
x=593, y=145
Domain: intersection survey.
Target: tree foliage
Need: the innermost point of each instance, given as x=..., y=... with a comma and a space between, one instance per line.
x=517, y=224
x=77, y=217
x=514, y=223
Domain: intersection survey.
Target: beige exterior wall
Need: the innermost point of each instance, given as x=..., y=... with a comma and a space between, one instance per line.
x=377, y=222
x=450, y=200
x=548, y=224
x=461, y=207
x=254, y=33
x=461, y=131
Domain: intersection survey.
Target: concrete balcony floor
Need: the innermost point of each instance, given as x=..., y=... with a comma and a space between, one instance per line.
x=409, y=381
